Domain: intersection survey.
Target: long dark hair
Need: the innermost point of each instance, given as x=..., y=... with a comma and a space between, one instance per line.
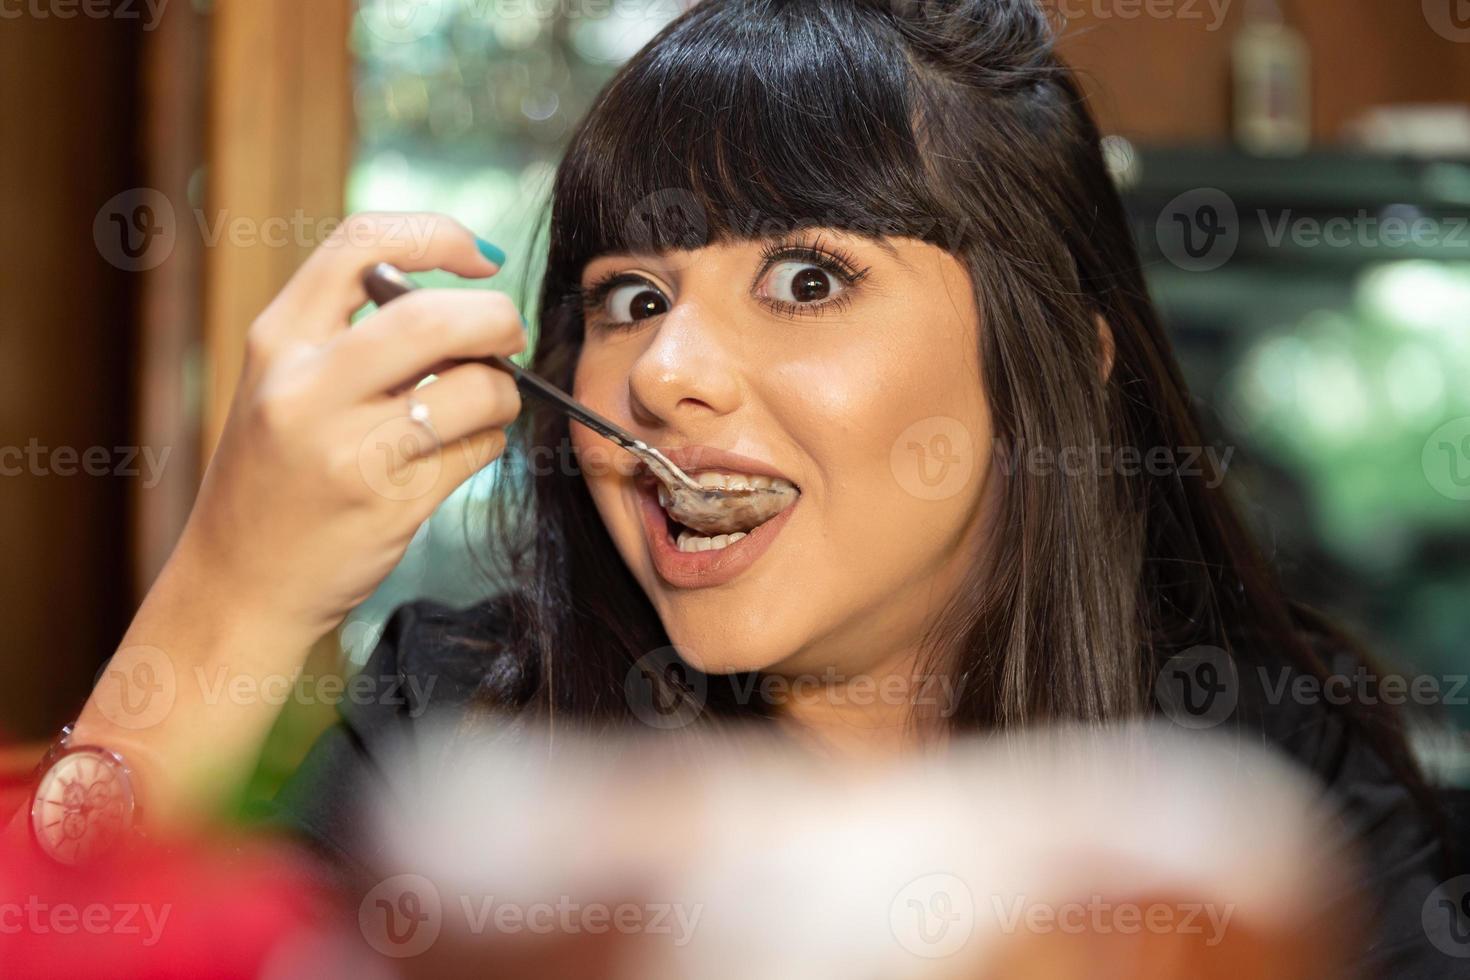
x=954, y=122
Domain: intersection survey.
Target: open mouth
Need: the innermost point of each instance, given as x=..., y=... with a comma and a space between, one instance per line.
x=743, y=504
x=736, y=504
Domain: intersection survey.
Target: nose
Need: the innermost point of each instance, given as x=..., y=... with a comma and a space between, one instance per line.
x=685, y=376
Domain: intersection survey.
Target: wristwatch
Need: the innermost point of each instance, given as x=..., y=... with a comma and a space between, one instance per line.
x=84, y=804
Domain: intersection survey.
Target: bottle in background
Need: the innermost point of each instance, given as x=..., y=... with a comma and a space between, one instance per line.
x=1271, y=69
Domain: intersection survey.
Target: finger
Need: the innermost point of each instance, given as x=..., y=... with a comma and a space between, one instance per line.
x=465, y=457
x=402, y=462
x=416, y=334
x=462, y=401
x=327, y=289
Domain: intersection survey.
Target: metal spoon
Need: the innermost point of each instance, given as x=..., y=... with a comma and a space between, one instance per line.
x=710, y=510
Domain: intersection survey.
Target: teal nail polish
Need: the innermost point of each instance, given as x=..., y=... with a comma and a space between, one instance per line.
x=492, y=252
x=524, y=324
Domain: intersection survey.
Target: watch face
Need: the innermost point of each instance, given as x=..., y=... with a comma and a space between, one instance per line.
x=83, y=805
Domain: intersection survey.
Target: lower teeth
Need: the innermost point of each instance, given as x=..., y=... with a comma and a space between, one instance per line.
x=689, y=541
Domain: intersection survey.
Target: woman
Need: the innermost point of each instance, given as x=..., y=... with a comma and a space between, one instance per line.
x=871, y=249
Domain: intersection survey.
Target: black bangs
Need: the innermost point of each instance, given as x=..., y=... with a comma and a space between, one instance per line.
x=746, y=119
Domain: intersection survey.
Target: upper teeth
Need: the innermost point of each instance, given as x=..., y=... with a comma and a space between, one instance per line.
x=741, y=481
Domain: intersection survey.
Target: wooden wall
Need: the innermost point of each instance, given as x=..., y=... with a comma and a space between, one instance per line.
x=98, y=351
x=68, y=108
x=280, y=143
x=1168, y=79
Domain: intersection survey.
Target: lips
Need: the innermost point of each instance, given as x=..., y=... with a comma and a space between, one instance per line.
x=696, y=459
x=704, y=569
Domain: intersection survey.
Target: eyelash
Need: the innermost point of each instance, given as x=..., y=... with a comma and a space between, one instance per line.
x=833, y=260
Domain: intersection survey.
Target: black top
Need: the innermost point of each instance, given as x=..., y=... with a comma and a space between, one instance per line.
x=431, y=660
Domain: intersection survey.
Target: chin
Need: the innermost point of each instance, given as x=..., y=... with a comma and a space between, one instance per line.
x=724, y=649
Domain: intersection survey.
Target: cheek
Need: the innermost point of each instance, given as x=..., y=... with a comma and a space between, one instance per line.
x=596, y=378
x=899, y=433
x=605, y=468
x=600, y=383
x=899, y=416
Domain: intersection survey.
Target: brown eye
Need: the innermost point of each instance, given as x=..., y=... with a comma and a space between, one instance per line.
x=635, y=301
x=801, y=283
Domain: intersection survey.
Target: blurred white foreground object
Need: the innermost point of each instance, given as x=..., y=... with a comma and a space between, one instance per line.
x=1138, y=853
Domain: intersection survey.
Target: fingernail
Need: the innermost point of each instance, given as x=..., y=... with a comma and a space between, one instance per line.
x=524, y=325
x=492, y=252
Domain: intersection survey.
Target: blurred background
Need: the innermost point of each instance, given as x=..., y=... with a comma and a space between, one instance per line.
x=1298, y=172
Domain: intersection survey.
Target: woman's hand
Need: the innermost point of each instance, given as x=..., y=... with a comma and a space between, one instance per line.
x=319, y=481
x=321, y=477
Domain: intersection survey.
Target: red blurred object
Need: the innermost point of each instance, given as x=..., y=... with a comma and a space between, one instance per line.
x=203, y=909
